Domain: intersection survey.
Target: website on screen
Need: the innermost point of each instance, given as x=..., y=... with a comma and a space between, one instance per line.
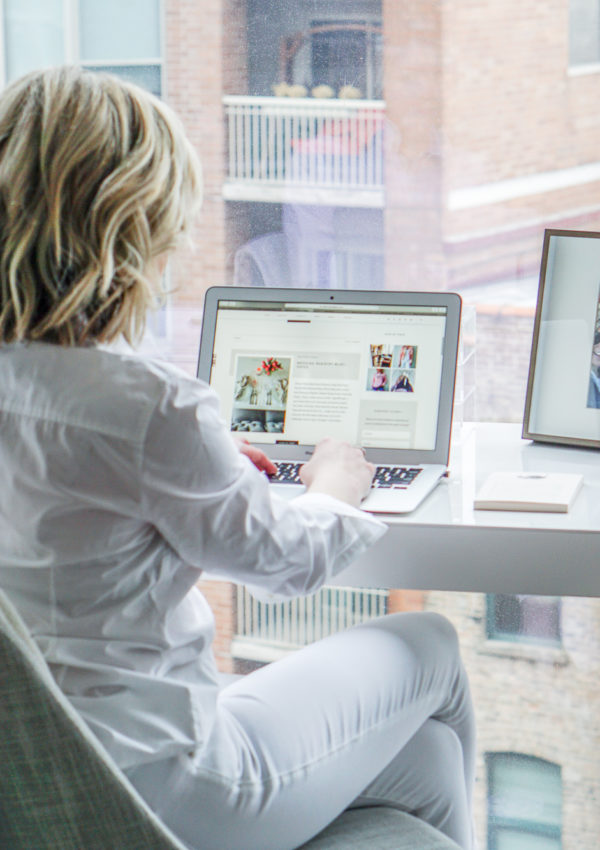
x=291, y=374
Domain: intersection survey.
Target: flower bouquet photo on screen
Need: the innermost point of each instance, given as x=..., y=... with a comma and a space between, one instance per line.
x=260, y=393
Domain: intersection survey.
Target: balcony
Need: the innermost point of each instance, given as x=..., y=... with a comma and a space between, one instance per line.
x=265, y=631
x=305, y=150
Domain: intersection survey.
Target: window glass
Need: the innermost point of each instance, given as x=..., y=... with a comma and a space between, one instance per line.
x=33, y=35
x=115, y=31
x=524, y=802
x=525, y=788
x=469, y=138
x=584, y=32
x=524, y=618
x=345, y=54
x=147, y=76
x=339, y=56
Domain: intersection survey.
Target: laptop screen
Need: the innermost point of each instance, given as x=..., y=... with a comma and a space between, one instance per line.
x=290, y=373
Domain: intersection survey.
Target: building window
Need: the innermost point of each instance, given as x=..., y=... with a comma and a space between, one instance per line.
x=40, y=33
x=584, y=32
x=527, y=619
x=34, y=35
x=524, y=803
x=346, y=54
x=129, y=50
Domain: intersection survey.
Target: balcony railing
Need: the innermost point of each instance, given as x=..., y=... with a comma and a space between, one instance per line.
x=267, y=630
x=281, y=147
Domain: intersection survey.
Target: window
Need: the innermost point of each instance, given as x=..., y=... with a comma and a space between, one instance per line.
x=584, y=32
x=527, y=619
x=123, y=38
x=346, y=54
x=524, y=803
x=34, y=35
x=112, y=39
x=471, y=137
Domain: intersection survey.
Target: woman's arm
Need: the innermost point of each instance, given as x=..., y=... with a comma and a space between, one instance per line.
x=340, y=470
x=219, y=513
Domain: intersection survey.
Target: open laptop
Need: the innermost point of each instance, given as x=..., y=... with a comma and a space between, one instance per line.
x=376, y=368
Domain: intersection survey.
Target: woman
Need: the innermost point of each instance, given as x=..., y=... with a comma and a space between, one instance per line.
x=121, y=484
x=402, y=384
x=379, y=380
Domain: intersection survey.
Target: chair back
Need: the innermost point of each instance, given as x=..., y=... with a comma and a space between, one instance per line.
x=58, y=786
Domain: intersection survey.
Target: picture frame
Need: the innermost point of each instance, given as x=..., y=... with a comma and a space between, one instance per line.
x=562, y=403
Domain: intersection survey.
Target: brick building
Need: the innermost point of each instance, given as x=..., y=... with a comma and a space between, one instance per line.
x=488, y=138
x=489, y=134
x=540, y=699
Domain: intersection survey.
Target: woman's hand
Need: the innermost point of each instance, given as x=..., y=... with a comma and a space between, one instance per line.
x=338, y=469
x=258, y=457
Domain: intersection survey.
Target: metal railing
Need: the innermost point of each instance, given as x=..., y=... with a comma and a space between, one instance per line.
x=266, y=630
x=305, y=142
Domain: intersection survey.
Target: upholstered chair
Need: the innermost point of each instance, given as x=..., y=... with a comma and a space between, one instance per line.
x=60, y=790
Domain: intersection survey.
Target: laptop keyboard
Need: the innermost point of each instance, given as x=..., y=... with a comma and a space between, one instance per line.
x=385, y=476
x=395, y=476
x=288, y=472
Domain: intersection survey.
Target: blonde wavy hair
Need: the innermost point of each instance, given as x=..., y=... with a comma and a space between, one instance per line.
x=97, y=180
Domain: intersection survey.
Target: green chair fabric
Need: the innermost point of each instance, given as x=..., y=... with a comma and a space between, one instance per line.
x=379, y=828
x=59, y=789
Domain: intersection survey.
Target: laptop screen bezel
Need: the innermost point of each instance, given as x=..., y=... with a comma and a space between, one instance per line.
x=451, y=301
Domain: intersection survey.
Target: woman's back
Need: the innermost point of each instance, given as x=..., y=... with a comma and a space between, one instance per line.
x=93, y=577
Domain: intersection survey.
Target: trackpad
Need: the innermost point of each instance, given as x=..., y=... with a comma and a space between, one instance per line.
x=288, y=491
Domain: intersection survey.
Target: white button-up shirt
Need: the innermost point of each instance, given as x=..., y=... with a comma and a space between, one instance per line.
x=120, y=484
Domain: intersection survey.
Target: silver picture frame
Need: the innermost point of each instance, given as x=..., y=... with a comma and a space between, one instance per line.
x=562, y=403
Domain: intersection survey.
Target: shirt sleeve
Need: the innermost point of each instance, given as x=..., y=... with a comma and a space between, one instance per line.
x=217, y=511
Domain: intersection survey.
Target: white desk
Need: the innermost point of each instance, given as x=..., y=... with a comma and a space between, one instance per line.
x=447, y=545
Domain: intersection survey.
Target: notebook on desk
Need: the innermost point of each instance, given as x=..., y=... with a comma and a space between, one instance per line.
x=291, y=366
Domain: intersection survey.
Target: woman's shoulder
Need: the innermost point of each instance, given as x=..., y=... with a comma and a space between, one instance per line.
x=151, y=370
x=89, y=366
x=95, y=387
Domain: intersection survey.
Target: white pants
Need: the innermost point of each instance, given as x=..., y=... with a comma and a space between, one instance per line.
x=380, y=714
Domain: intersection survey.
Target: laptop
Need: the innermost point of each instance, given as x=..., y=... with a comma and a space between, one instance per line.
x=375, y=368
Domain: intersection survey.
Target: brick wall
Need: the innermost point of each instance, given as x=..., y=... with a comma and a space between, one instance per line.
x=537, y=701
x=474, y=96
x=413, y=168
x=220, y=595
x=205, y=58
x=503, y=346
x=511, y=109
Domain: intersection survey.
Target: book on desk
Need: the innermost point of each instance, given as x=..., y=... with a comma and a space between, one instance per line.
x=528, y=491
